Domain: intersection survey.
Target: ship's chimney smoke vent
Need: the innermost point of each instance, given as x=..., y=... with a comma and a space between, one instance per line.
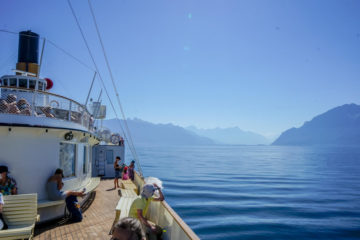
x=28, y=53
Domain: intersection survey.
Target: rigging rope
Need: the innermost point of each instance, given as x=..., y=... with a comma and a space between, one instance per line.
x=55, y=45
x=102, y=81
x=113, y=83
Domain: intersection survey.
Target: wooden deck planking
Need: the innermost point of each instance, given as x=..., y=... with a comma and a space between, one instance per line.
x=97, y=219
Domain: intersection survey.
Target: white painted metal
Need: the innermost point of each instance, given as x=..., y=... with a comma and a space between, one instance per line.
x=104, y=157
x=44, y=105
x=33, y=154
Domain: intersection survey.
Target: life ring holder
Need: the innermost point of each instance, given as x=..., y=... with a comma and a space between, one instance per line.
x=56, y=102
x=68, y=136
x=115, y=138
x=81, y=108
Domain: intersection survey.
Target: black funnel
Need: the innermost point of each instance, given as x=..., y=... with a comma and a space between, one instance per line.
x=28, y=47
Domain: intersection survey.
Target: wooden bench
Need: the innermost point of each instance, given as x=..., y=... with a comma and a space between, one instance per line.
x=91, y=186
x=128, y=184
x=20, y=213
x=122, y=209
x=127, y=193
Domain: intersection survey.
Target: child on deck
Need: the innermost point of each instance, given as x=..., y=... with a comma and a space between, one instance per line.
x=125, y=175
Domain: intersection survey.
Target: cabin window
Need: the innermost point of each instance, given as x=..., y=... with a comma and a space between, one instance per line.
x=68, y=159
x=85, y=160
x=40, y=87
x=109, y=157
x=13, y=82
x=5, y=82
x=32, y=84
x=23, y=83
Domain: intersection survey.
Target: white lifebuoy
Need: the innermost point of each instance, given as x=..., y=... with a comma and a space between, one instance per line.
x=115, y=138
x=81, y=108
x=56, y=102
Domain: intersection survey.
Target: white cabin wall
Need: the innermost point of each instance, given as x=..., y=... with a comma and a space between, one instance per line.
x=31, y=162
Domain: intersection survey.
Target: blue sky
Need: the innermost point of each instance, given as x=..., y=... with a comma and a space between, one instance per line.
x=264, y=66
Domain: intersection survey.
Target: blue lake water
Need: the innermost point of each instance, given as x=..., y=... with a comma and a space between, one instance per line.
x=261, y=192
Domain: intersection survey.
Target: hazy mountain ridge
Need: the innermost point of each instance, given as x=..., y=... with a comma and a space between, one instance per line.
x=233, y=135
x=340, y=126
x=144, y=132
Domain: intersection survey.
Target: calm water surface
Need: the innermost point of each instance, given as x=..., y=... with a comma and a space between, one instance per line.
x=261, y=192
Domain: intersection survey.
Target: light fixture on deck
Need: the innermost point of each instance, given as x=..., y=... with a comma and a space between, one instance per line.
x=69, y=136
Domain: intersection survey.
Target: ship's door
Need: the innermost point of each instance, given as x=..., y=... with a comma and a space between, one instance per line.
x=101, y=162
x=110, y=163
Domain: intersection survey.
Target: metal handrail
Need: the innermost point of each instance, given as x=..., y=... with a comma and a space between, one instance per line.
x=43, y=92
x=37, y=100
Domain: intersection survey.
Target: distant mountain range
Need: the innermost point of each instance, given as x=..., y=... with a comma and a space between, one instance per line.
x=338, y=126
x=232, y=135
x=168, y=134
x=143, y=132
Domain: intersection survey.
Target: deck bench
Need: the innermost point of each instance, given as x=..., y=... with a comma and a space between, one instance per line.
x=128, y=184
x=122, y=209
x=91, y=186
x=127, y=193
x=20, y=213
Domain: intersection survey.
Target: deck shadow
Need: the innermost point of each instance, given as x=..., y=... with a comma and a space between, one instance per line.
x=48, y=225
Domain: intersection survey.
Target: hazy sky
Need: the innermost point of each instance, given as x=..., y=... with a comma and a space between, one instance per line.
x=263, y=66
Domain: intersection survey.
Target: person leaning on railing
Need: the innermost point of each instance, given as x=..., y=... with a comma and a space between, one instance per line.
x=140, y=206
x=131, y=170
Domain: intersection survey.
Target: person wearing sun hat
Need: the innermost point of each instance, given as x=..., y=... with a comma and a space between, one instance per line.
x=140, y=206
x=7, y=184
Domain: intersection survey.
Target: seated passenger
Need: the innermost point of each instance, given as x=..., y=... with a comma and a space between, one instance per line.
x=11, y=98
x=128, y=229
x=24, y=107
x=139, y=209
x=55, y=184
x=4, y=108
x=12, y=107
x=3, y=224
x=47, y=111
x=7, y=184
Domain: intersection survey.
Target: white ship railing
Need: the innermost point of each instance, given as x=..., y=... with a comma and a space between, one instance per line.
x=42, y=104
